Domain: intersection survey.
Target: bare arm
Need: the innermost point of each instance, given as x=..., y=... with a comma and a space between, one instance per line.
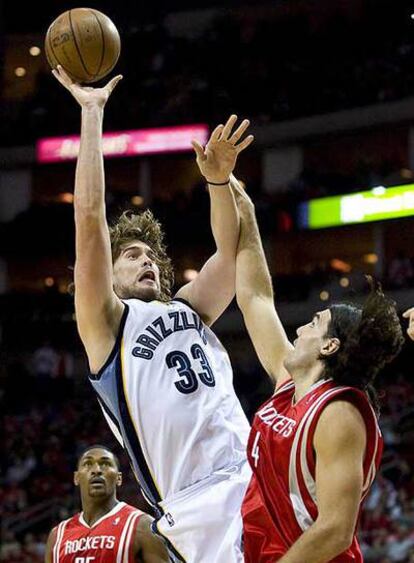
x=214, y=288
x=98, y=309
x=50, y=545
x=148, y=548
x=339, y=443
x=254, y=293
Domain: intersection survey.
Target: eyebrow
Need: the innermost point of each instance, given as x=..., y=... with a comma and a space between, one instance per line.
x=102, y=458
x=317, y=316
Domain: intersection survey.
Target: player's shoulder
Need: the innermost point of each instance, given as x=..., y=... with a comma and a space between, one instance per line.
x=128, y=508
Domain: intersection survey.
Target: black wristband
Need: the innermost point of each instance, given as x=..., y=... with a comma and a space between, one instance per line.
x=218, y=183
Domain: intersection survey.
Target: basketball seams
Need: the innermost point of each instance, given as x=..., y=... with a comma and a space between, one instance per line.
x=103, y=42
x=90, y=75
x=112, y=63
x=52, y=52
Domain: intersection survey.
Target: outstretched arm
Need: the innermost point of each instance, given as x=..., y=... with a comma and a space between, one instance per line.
x=254, y=293
x=98, y=309
x=214, y=288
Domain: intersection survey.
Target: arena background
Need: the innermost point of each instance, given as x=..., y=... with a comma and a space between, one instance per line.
x=329, y=87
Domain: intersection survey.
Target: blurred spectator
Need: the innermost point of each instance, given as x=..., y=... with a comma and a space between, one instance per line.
x=400, y=543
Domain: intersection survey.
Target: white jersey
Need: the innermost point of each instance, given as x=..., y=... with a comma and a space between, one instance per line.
x=167, y=393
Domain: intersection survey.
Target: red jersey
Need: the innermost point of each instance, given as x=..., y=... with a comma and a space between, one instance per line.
x=280, y=503
x=109, y=540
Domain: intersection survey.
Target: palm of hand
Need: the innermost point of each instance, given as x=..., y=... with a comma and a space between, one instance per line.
x=220, y=160
x=86, y=95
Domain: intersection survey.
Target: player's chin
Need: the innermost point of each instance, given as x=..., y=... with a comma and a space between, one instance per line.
x=97, y=492
x=147, y=293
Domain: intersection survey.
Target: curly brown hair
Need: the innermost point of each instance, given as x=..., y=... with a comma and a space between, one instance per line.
x=144, y=227
x=370, y=337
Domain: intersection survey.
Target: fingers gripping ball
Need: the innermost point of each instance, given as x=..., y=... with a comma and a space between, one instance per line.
x=85, y=43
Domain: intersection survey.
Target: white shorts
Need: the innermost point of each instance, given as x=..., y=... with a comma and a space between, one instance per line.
x=203, y=522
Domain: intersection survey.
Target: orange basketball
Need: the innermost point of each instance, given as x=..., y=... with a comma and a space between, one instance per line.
x=84, y=42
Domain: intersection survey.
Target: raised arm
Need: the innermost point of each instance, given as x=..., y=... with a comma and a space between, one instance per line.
x=214, y=288
x=339, y=443
x=254, y=293
x=98, y=309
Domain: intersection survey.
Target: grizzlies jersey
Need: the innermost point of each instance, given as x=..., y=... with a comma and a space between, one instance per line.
x=167, y=393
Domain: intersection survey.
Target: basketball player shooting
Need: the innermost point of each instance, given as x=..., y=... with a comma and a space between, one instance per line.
x=315, y=445
x=163, y=380
x=106, y=530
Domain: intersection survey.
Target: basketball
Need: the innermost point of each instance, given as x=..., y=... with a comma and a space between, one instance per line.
x=85, y=43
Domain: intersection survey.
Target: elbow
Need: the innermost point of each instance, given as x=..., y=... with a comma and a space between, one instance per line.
x=338, y=536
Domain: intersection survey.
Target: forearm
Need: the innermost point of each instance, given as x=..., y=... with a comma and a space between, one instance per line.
x=317, y=545
x=225, y=221
x=90, y=180
x=252, y=272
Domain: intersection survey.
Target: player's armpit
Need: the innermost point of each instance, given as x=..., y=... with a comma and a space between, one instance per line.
x=148, y=548
x=213, y=289
x=339, y=443
x=51, y=540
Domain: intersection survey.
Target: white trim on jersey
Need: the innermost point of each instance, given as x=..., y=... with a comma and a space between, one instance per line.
x=303, y=518
x=111, y=424
x=59, y=536
x=129, y=538
x=284, y=387
x=373, y=469
x=114, y=510
x=122, y=542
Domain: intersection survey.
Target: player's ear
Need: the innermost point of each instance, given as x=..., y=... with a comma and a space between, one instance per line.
x=330, y=346
x=76, y=478
x=119, y=479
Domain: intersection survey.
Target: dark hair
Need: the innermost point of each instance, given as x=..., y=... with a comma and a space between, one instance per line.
x=99, y=447
x=144, y=227
x=370, y=337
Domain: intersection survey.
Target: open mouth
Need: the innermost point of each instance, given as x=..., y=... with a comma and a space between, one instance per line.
x=148, y=275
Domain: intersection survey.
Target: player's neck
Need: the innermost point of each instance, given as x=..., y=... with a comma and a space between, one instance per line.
x=304, y=380
x=94, y=510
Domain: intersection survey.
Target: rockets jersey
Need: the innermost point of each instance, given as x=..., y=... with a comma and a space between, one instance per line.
x=167, y=393
x=280, y=503
x=109, y=540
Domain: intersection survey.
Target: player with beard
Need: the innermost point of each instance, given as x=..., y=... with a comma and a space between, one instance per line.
x=163, y=379
x=315, y=445
x=106, y=530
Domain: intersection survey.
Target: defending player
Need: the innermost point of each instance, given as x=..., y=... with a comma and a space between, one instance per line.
x=106, y=531
x=163, y=379
x=315, y=445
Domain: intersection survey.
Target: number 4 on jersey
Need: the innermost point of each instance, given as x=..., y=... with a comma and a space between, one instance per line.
x=255, y=449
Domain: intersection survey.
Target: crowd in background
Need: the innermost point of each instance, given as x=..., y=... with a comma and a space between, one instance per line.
x=270, y=69
x=47, y=429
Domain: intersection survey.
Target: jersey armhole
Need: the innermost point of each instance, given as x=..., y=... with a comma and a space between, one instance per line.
x=185, y=302
x=354, y=397
x=112, y=354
